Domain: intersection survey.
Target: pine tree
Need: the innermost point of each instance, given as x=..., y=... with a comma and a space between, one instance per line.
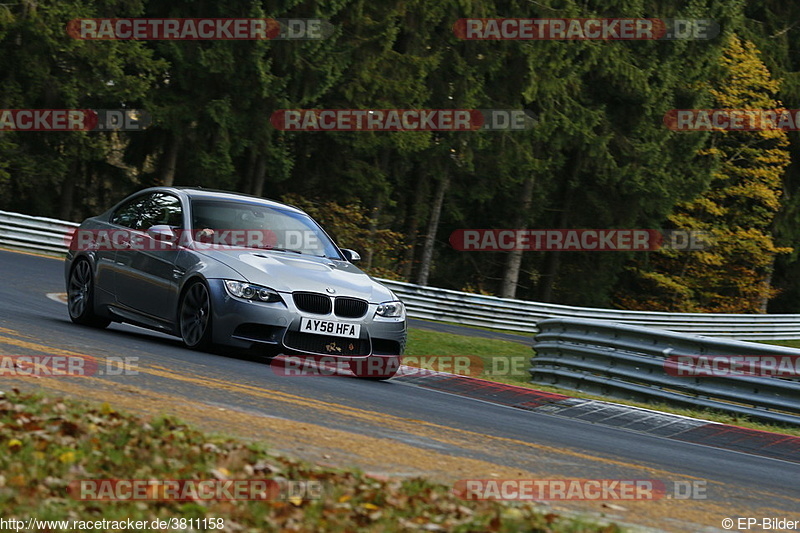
x=737, y=209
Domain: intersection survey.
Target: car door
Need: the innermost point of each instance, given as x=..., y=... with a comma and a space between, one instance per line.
x=146, y=275
x=115, y=235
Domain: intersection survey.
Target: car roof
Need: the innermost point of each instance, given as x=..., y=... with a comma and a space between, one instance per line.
x=199, y=192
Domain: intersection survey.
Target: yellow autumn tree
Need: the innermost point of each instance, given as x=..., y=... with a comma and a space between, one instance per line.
x=736, y=210
x=350, y=226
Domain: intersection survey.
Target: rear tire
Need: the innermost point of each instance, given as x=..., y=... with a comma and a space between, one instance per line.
x=80, y=296
x=375, y=368
x=194, y=317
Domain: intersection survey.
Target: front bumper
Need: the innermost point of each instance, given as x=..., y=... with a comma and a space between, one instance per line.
x=244, y=324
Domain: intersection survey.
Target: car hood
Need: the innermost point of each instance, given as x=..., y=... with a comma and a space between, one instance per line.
x=289, y=272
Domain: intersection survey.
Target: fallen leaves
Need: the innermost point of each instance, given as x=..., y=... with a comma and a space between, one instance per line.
x=54, y=442
x=67, y=457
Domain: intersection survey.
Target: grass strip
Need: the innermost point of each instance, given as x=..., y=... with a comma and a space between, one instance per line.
x=507, y=362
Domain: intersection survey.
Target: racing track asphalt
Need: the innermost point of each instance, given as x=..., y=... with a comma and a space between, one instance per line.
x=481, y=436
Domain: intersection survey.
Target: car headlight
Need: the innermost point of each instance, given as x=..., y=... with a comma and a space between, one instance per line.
x=248, y=291
x=394, y=309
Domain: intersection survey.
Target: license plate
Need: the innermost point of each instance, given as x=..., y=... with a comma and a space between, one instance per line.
x=330, y=327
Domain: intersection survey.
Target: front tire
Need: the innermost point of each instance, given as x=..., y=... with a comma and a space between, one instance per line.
x=195, y=317
x=80, y=296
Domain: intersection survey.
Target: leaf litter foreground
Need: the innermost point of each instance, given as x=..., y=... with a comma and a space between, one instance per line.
x=52, y=445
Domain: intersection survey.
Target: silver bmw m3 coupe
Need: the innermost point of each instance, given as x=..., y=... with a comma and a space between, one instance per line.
x=219, y=268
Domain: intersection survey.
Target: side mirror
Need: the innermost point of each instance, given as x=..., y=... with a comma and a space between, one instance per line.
x=161, y=233
x=351, y=255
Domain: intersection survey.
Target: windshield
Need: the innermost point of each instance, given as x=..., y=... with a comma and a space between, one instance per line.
x=250, y=225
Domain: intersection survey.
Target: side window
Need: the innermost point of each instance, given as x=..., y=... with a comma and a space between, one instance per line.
x=128, y=214
x=146, y=211
x=161, y=209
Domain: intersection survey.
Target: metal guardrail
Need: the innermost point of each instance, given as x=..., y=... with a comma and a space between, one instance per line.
x=37, y=234
x=430, y=303
x=628, y=362
x=517, y=315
